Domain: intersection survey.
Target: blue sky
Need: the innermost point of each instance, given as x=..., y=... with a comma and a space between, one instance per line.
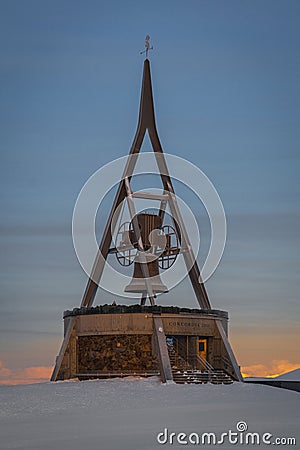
x=226, y=86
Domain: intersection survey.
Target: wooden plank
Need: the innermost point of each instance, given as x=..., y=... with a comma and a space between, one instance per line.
x=63, y=349
x=229, y=351
x=163, y=354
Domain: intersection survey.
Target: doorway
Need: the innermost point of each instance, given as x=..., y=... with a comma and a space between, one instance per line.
x=202, y=348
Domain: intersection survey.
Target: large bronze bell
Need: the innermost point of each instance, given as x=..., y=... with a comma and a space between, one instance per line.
x=151, y=239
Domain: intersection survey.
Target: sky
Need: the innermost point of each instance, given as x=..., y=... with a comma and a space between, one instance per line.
x=226, y=89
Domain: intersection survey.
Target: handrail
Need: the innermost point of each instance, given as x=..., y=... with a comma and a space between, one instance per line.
x=180, y=346
x=178, y=353
x=205, y=363
x=226, y=360
x=187, y=369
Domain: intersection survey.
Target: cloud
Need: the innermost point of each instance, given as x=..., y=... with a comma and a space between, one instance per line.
x=275, y=368
x=29, y=375
x=38, y=372
x=4, y=372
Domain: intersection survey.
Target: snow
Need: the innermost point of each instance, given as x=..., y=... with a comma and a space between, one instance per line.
x=129, y=413
x=294, y=375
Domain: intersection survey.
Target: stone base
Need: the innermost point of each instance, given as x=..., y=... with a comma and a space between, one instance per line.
x=121, y=353
x=116, y=339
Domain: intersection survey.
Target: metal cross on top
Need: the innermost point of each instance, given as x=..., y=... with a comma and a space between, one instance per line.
x=147, y=45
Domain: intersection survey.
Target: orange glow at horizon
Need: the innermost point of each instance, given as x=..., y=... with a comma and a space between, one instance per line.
x=42, y=374
x=277, y=367
x=29, y=375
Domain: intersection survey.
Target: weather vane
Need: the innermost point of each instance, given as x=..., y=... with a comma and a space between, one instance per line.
x=147, y=45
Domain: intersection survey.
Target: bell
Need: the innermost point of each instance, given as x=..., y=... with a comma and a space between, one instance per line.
x=138, y=282
x=147, y=224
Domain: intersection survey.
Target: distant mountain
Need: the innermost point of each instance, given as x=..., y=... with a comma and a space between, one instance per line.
x=294, y=375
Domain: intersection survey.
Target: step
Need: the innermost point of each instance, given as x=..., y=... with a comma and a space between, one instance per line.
x=198, y=377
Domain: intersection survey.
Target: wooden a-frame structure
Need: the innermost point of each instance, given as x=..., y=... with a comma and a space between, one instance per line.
x=146, y=122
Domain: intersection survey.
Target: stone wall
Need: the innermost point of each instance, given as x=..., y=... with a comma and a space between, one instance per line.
x=115, y=353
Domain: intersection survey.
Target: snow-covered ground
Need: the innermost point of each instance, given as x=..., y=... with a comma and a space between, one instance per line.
x=129, y=414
